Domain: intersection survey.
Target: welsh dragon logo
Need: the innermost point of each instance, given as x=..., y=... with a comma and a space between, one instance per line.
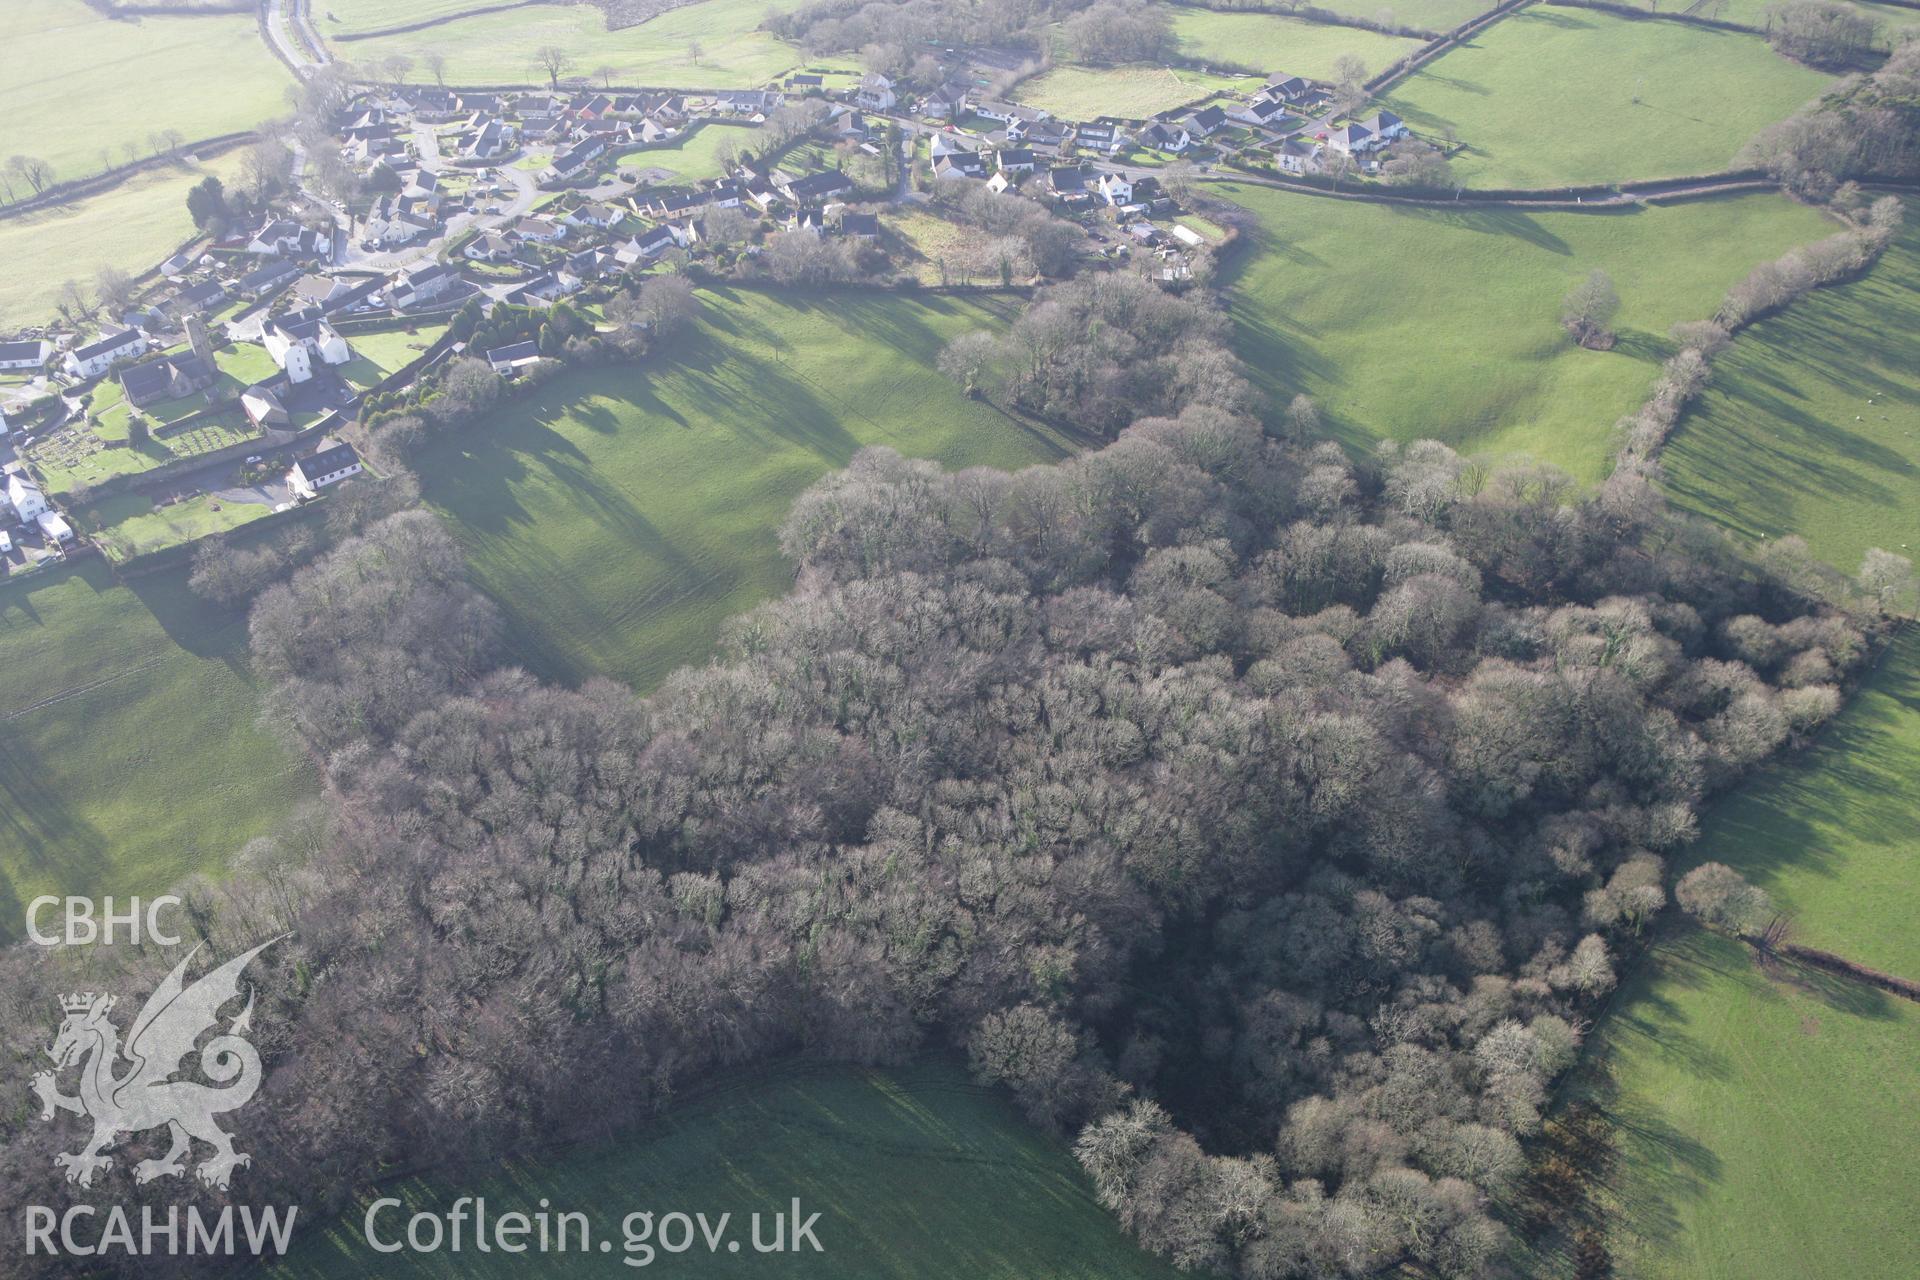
x=144, y=1096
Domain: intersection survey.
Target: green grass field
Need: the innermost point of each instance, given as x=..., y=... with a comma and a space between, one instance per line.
x=916, y=1174
x=1766, y=1122
x=1656, y=99
x=133, y=227
x=129, y=752
x=695, y=155
x=1430, y=15
x=1753, y=13
x=1830, y=833
x=79, y=84
x=1133, y=93
x=1812, y=422
x=344, y=17
x=497, y=48
x=1406, y=323
x=1273, y=45
x=621, y=515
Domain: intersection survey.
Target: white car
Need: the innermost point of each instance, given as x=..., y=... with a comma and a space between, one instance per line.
x=6, y=542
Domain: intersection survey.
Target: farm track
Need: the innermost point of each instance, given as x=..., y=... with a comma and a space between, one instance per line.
x=74, y=691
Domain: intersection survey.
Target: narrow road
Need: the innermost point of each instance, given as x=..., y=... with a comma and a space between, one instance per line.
x=285, y=17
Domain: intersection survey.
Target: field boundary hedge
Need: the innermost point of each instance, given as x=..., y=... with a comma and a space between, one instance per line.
x=83, y=188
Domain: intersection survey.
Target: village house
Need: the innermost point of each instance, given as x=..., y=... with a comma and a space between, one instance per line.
x=814, y=188
x=947, y=102
x=876, y=93
x=1115, y=188
x=329, y=293
x=1008, y=113
x=332, y=464
x=285, y=238
x=24, y=496
x=505, y=360
x=541, y=230
x=28, y=355
x=576, y=160
x=959, y=164
x=200, y=297
x=98, y=356
x=1173, y=139
x=645, y=247
x=1286, y=88
x=1385, y=127
x=300, y=339
x=1297, y=155
x=1260, y=112
x=1000, y=183
x=1014, y=160
x=269, y=276
x=1100, y=136
x=1205, y=122
x=492, y=140
x=600, y=216
x=171, y=377
x=422, y=284
x=489, y=247
x=1351, y=140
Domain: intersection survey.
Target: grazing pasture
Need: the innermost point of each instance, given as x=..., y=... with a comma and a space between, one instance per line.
x=1271, y=44
x=498, y=48
x=1411, y=322
x=1428, y=15
x=133, y=226
x=81, y=88
x=1655, y=99
x=1811, y=424
x=916, y=1174
x=349, y=17
x=130, y=753
x=1133, y=92
x=621, y=515
x=1765, y=1121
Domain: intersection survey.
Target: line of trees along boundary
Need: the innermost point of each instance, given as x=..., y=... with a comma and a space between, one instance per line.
x=405, y=28
x=83, y=188
x=1458, y=36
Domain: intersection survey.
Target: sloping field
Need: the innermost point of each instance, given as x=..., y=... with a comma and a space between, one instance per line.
x=1654, y=99
x=129, y=750
x=1275, y=45
x=1133, y=93
x=498, y=48
x=916, y=1175
x=346, y=17
x=1766, y=1123
x=1411, y=322
x=79, y=87
x=1812, y=422
x=134, y=226
x=621, y=515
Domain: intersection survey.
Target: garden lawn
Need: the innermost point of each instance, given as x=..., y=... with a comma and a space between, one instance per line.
x=621, y=515
x=130, y=754
x=1134, y=92
x=1766, y=1123
x=78, y=83
x=1655, y=99
x=915, y=1174
x=1416, y=322
x=1271, y=44
x=134, y=226
x=497, y=48
x=1811, y=424
x=128, y=525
